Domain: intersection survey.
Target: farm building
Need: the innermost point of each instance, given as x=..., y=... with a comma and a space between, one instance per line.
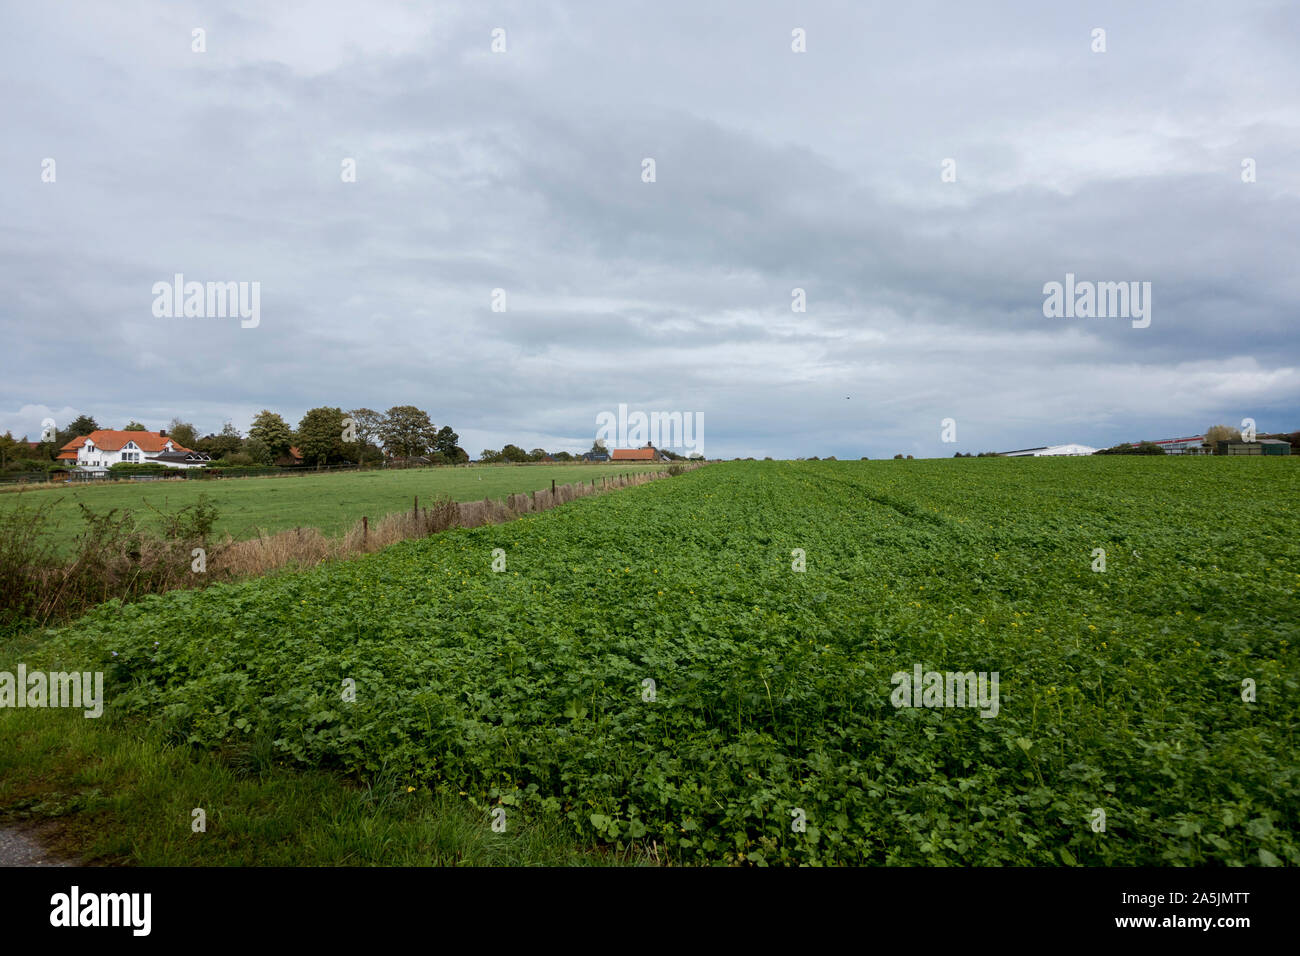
x=1265, y=446
x=101, y=449
x=1046, y=451
x=291, y=458
x=636, y=454
x=1183, y=446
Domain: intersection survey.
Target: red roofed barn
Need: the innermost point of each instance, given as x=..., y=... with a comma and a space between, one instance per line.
x=635, y=454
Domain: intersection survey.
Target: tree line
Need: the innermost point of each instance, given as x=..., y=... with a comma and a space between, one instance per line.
x=323, y=436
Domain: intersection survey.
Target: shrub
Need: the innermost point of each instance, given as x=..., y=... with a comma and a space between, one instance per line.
x=222, y=471
x=1141, y=448
x=124, y=469
x=116, y=558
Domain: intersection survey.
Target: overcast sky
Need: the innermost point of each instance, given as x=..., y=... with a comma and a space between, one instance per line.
x=774, y=170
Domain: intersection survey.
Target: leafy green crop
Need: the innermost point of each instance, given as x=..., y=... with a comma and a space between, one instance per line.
x=1120, y=691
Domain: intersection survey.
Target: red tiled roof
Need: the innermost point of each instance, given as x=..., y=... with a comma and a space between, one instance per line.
x=110, y=439
x=633, y=454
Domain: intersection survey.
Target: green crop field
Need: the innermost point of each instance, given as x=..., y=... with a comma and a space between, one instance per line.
x=649, y=665
x=330, y=502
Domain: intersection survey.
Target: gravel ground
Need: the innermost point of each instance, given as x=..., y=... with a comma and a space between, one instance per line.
x=18, y=848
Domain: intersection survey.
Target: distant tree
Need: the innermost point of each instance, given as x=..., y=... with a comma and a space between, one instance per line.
x=271, y=431
x=258, y=451
x=81, y=425
x=537, y=454
x=407, y=431
x=514, y=453
x=489, y=456
x=1218, y=433
x=8, y=449
x=598, y=447
x=898, y=457
x=182, y=433
x=909, y=457
x=222, y=445
x=563, y=456
x=134, y=426
x=1141, y=448
x=368, y=424
x=695, y=456
x=320, y=436
x=444, y=442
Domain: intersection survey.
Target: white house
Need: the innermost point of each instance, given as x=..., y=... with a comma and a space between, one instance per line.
x=101, y=449
x=1050, y=450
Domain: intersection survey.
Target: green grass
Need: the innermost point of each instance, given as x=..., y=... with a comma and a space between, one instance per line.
x=329, y=502
x=112, y=792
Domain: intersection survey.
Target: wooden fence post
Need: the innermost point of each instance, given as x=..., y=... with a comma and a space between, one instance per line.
x=365, y=529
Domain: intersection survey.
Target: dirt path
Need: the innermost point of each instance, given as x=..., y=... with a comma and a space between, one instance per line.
x=20, y=848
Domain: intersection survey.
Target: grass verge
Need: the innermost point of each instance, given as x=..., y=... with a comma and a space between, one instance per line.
x=113, y=792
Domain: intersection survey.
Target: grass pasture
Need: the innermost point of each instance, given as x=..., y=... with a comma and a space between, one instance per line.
x=329, y=502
